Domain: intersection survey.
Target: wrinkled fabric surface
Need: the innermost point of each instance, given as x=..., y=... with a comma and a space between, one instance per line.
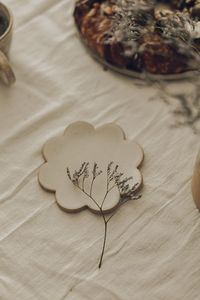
x=153, y=249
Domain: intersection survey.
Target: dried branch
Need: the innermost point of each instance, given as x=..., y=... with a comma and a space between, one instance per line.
x=115, y=179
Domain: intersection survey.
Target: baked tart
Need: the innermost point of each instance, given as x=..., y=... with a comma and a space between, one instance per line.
x=157, y=37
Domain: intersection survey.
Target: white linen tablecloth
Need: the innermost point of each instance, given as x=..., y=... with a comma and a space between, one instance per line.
x=153, y=249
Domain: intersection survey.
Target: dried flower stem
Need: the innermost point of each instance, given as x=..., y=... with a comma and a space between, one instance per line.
x=114, y=179
x=104, y=240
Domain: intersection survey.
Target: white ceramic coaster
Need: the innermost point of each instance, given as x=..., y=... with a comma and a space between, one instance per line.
x=81, y=143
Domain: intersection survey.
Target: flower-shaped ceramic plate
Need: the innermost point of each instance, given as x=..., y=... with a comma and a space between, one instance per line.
x=80, y=143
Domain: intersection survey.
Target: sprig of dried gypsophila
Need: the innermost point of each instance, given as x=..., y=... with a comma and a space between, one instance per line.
x=115, y=179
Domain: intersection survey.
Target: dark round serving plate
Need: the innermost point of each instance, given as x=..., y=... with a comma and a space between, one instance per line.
x=139, y=75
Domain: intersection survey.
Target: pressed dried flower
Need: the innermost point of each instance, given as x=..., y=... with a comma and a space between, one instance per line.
x=114, y=179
